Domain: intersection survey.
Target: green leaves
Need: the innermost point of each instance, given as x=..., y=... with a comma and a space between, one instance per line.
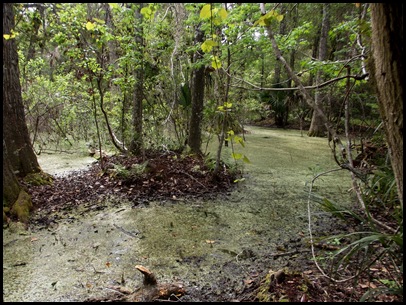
x=90, y=26
x=205, y=12
x=215, y=62
x=208, y=45
x=217, y=14
x=267, y=18
x=232, y=137
x=148, y=12
x=10, y=36
x=114, y=5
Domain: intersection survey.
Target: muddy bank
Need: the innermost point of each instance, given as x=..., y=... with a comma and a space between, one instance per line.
x=213, y=246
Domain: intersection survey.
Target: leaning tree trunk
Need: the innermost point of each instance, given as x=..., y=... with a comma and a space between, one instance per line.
x=387, y=45
x=15, y=132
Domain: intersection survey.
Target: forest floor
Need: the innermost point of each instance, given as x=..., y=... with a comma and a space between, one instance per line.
x=170, y=176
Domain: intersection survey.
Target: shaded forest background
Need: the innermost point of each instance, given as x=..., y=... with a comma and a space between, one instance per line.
x=133, y=77
x=104, y=73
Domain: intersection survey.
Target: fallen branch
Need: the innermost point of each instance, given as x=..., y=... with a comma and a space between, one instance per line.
x=290, y=253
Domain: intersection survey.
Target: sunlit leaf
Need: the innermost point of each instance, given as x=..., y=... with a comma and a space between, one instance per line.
x=99, y=20
x=208, y=45
x=90, y=26
x=246, y=160
x=223, y=13
x=268, y=17
x=279, y=18
x=215, y=62
x=11, y=35
x=147, y=12
x=216, y=20
x=205, y=12
x=237, y=156
x=239, y=140
x=114, y=5
x=239, y=180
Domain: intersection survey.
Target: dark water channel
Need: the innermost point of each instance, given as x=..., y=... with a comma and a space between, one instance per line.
x=211, y=246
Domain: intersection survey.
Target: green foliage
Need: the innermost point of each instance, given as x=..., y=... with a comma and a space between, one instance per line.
x=266, y=19
x=373, y=244
x=185, y=99
x=299, y=38
x=86, y=44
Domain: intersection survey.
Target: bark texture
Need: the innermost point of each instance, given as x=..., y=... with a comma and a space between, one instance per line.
x=15, y=133
x=387, y=44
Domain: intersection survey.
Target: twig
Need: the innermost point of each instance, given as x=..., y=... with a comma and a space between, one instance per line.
x=193, y=179
x=290, y=253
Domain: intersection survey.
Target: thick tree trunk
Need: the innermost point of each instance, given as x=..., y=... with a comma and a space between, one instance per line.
x=198, y=83
x=387, y=44
x=11, y=187
x=15, y=132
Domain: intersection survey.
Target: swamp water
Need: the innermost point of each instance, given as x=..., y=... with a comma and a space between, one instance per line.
x=211, y=246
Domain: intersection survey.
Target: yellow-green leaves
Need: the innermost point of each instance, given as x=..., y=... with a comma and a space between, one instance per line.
x=148, y=12
x=205, y=12
x=208, y=45
x=99, y=20
x=217, y=14
x=222, y=13
x=232, y=137
x=215, y=62
x=267, y=18
x=90, y=26
x=114, y=5
x=226, y=107
x=10, y=36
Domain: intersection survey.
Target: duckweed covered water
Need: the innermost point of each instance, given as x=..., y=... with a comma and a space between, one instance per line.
x=211, y=246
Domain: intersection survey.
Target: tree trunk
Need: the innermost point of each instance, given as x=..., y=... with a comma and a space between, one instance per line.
x=137, y=141
x=387, y=45
x=11, y=187
x=317, y=126
x=15, y=132
x=198, y=83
